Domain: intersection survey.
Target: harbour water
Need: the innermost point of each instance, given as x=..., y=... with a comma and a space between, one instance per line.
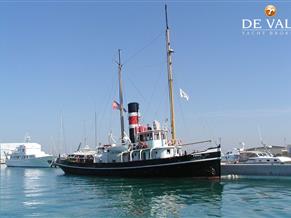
x=50, y=193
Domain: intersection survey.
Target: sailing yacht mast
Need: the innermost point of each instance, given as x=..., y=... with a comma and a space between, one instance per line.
x=95, y=129
x=170, y=78
x=120, y=98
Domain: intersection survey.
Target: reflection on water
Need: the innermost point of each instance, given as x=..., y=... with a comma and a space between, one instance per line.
x=49, y=193
x=154, y=197
x=22, y=189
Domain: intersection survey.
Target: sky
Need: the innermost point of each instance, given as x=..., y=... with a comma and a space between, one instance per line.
x=58, y=62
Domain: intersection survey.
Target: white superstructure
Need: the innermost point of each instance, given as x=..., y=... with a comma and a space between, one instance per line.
x=29, y=155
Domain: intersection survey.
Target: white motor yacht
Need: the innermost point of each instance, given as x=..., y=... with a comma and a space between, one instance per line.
x=29, y=155
x=255, y=163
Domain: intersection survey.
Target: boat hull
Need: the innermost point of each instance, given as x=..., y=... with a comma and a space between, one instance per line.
x=256, y=169
x=40, y=162
x=205, y=165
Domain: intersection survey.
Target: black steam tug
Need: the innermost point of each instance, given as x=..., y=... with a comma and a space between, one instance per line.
x=147, y=152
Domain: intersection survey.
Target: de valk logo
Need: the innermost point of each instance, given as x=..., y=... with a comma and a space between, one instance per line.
x=272, y=24
x=270, y=10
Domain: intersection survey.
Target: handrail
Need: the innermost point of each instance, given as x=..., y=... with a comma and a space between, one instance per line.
x=194, y=143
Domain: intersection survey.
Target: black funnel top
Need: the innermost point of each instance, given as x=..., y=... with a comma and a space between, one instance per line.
x=133, y=107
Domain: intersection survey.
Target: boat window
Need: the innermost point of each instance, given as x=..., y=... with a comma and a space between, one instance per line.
x=275, y=160
x=156, y=136
x=252, y=155
x=168, y=151
x=268, y=160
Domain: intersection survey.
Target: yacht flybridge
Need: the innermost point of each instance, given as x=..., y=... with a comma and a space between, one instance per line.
x=148, y=151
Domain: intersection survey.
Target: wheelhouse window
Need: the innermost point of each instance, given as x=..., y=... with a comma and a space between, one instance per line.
x=157, y=136
x=141, y=138
x=163, y=135
x=149, y=137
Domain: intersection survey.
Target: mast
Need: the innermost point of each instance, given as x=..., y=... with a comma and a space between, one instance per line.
x=95, y=130
x=62, y=140
x=170, y=78
x=120, y=98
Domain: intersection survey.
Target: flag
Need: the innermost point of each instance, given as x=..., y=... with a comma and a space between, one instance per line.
x=116, y=106
x=184, y=95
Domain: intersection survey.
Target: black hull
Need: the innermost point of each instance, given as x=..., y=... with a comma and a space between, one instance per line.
x=202, y=166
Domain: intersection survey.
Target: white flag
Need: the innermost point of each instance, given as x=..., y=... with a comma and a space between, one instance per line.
x=184, y=95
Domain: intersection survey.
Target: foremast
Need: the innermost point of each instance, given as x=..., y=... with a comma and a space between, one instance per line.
x=121, y=107
x=170, y=79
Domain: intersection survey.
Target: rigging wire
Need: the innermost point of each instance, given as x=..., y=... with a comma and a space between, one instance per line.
x=160, y=107
x=136, y=87
x=111, y=114
x=153, y=92
x=180, y=107
x=108, y=98
x=143, y=48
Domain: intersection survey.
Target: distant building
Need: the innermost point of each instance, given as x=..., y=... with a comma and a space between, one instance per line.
x=7, y=148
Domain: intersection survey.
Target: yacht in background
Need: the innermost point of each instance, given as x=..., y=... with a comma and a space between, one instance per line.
x=81, y=154
x=28, y=155
x=255, y=163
